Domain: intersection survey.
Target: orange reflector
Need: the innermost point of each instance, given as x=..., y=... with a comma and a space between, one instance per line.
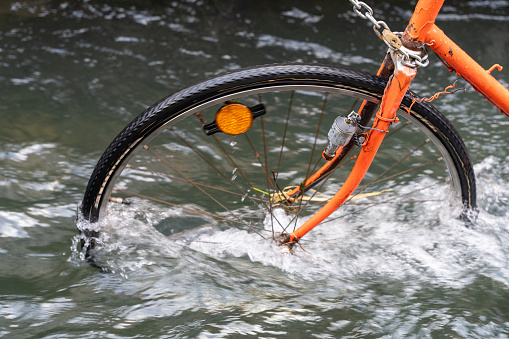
x=234, y=119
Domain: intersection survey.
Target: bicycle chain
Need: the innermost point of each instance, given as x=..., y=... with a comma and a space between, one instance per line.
x=368, y=15
x=392, y=39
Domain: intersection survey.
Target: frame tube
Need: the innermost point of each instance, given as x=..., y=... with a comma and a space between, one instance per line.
x=394, y=93
x=466, y=67
x=422, y=30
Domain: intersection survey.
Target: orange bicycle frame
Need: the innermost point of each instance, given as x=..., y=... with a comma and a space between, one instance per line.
x=420, y=31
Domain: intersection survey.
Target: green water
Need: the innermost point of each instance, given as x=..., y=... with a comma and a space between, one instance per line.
x=73, y=73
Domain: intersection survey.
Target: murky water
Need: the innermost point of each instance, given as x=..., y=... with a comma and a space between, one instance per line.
x=73, y=73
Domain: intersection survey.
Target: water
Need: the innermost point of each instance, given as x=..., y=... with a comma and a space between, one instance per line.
x=73, y=73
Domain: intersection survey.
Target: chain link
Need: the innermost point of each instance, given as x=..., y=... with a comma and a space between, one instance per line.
x=410, y=58
x=359, y=6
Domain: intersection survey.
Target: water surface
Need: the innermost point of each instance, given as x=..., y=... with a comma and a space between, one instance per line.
x=73, y=73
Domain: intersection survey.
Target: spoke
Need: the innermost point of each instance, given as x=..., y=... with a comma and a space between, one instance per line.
x=164, y=175
x=393, y=202
x=166, y=163
x=242, y=193
x=344, y=162
x=324, y=104
x=193, y=211
x=244, y=176
x=387, y=201
x=257, y=155
x=404, y=172
x=276, y=174
x=189, y=210
x=138, y=211
x=269, y=183
x=352, y=108
x=262, y=123
x=326, y=178
x=290, y=104
x=377, y=179
x=399, y=128
x=390, y=177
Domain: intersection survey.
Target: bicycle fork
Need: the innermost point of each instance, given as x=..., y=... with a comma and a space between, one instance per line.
x=394, y=93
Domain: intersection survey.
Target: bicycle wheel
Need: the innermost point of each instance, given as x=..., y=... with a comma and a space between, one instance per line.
x=183, y=170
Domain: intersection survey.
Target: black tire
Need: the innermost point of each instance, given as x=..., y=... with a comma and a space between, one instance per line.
x=297, y=78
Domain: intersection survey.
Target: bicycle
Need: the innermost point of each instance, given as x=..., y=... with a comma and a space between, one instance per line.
x=266, y=148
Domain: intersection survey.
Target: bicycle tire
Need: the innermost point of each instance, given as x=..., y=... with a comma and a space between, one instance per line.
x=260, y=83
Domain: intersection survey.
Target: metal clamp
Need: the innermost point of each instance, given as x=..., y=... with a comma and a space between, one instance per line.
x=411, y=58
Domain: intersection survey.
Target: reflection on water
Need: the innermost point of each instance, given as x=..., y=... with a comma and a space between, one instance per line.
x=72, y=74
